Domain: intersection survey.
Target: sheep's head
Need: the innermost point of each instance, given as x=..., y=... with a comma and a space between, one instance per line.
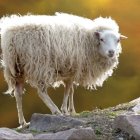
x=109, y=43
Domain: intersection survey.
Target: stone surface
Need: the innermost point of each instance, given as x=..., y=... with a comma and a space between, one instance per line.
x=126, y=117
x=129, y=124
x=71, y=134
x=136, y=109
x=136, y=101
x=6, y=133
x=41, y=122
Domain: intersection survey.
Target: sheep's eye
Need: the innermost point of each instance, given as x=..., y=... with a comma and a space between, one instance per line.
x=101, y=39
x=118, y=40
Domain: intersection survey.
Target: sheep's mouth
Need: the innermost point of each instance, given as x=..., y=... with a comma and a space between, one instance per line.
x=110, y=56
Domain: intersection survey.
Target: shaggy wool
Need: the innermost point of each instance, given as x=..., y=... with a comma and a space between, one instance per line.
x=51, y=49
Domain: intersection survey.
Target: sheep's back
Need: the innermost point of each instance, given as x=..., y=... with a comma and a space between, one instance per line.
x=51, y=49
x=50, y=52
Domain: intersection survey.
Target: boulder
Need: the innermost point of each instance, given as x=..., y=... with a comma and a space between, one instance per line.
x=129, y=124
x=136, y=101
x=6, y=133
x=71, y=134
x=53, y=123
x=136, y=109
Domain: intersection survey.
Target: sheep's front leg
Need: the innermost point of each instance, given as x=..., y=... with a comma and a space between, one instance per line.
x=71, y=102
x=18, y=96
x=42, y=93
x=64, y=108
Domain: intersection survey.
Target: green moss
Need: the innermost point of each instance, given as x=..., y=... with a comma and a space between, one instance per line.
x=18, y=130
x=85, y=114
x=34, y=131
x=98, y=131
x=112, y=115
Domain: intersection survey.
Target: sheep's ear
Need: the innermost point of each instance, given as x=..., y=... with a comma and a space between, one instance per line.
x=123, y=37
x=97, y=34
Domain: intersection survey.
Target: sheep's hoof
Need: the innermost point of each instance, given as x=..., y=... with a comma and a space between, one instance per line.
x=25, y=125
x=57, y=113
x=65, y=113
x=72, y=112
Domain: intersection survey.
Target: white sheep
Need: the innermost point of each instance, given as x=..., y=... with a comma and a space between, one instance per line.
x=61, y=49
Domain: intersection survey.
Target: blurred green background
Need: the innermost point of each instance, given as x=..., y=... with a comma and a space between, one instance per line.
x=123, y=86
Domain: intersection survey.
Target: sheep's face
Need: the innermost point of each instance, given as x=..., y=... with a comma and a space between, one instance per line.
x=109, y=43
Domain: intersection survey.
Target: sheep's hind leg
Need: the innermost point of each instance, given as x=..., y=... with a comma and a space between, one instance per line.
x=64, y=108
x=18, y=96
x=42, y=93
x=71, y=108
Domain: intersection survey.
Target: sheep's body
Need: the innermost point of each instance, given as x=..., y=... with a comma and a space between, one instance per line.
x=49, y=50
x=53, y=49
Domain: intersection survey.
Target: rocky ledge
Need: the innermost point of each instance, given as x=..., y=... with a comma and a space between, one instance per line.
x=121, y=122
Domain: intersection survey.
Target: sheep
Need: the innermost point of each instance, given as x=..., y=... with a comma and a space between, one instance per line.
x=47, y=51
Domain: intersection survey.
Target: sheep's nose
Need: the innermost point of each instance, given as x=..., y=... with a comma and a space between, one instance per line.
x=111, y=53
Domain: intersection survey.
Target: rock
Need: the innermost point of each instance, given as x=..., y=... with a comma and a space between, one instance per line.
x=136, y=101
x=129, y=124
x=136, y=109
x=41, y=122
x=72, y=134
x=6, y=133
